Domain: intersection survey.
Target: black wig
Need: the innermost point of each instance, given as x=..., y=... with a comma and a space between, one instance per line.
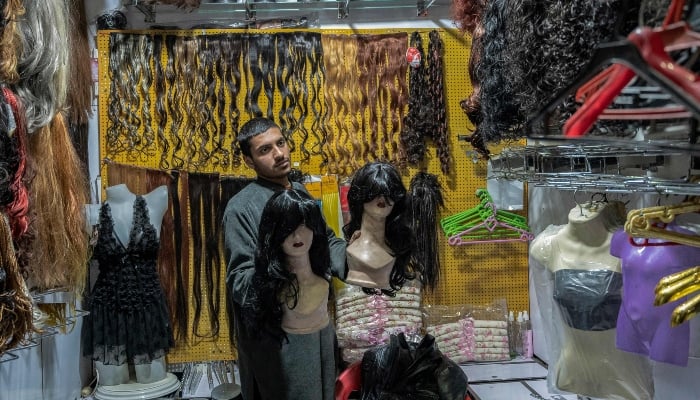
x=383, y=179
x=283, y=214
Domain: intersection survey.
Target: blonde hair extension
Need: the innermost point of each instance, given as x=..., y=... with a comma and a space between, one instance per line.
x=43, y=63
x=10, y=41
x=58, y=192
x=332, y=58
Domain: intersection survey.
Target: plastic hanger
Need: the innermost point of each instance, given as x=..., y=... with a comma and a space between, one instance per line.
x=650, y=222
x=674, y=37
x=676, y=286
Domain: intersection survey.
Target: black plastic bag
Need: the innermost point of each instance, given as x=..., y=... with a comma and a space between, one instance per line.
x=411, y=371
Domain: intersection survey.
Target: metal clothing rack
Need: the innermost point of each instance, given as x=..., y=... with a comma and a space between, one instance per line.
x=251, y=7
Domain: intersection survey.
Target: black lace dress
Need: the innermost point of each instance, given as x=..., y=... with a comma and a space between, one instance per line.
x=128, y=320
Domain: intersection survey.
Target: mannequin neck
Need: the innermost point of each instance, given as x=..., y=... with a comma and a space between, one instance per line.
x=372, y=229
x=589, y=231
x=119, y=194
x=301, y=266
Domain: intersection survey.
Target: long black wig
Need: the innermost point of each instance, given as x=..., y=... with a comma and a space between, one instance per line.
x=383, y=179
x=273, y=284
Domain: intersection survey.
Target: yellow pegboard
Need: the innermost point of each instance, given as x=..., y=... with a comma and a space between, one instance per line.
x=471, y=274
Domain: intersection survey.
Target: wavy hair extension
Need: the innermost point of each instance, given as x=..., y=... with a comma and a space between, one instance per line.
x=467, y=14
x=260, y=69
x=376, y=179
x=436, y=86
x=231, y=51
x=42, y=64
x=161, y=114
x=283, y=77
x=115, y=113
x=16, y=320
x=417, y=121
x=300, y=48
x=79, y=97
x=342, y=99
x=194, y=93
x=14, y=155
x=174, y=49
x=317, y=72
x=144, y=180
x=425, y=197
x=58, y=192
x=215, y=91
x=273, y=283
x=143, y=54
x=393, y=95
x=10, y=41
x=9, y=153
x=332, y=61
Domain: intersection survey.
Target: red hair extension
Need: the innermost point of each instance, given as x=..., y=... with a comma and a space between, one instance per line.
x=18, y=209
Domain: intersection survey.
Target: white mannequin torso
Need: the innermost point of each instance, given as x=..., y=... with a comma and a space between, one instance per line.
x=369, y=258
x=121, y=204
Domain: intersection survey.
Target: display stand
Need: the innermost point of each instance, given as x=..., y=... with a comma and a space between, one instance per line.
x=134, y=390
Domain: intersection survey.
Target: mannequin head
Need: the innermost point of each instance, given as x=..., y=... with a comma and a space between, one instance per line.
x=288, y=213
x=377, y=190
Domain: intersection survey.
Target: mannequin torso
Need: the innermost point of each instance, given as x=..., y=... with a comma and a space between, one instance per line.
x=586, y=289
x=311, y=311
x=369, y=258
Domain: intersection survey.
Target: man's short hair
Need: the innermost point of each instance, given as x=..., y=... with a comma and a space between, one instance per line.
x=253, y=128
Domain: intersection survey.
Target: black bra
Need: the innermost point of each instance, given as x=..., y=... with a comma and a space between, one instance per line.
x=588, y=299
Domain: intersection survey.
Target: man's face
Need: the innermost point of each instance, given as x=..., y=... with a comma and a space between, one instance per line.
x=269, y=156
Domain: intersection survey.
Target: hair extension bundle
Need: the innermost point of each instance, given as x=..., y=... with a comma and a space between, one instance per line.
x=175, y=49
x=58, y=193
x=437, y=94
x=425, y=195
x=43, y=63
x=15, y=303
x=318, y=124
x=417, y=123
x=79, y=97
x=260, y=69
x=10, y=41
x=217, y=97
x=161, y=115
x=231, y=50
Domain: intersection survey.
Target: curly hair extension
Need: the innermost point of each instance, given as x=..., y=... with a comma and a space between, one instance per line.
x=318, y=126
x=416, y=123
x=376, y=179
x=161, y=115
x=130, y=75
x=174, y=49
x=58, y=192
x=79, y=100
x=348, y=103
x=115, y=119
x=467, y=14
x=260, y=63
x=203, y=68
x=368, y=93
x=425, y=196
x=231, y=49
x=273, y=282
x=10, y=40
x=9, y=152
x=437, y=94
x=43, y=62
x=17, y=208
x=16, y=320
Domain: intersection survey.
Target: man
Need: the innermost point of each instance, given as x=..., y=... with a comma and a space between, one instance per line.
x=265, y=151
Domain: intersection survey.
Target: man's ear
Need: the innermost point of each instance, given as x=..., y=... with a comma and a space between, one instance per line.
x=249, y=162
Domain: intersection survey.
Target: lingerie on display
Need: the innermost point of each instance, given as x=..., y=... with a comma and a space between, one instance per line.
x=128, y=320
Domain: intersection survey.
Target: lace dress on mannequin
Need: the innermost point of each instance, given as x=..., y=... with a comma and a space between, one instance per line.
x=584, y=286
x=128, y=321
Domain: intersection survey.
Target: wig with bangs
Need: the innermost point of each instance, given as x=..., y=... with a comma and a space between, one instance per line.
x=273, y=283
x=383, y=179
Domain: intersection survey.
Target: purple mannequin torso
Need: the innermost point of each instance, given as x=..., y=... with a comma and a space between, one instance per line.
x=642, y=327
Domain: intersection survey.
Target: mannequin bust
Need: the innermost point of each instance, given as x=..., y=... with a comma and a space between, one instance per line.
x=121, y=203
x=586, y=296
x=379, y=253
x=286, y=303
